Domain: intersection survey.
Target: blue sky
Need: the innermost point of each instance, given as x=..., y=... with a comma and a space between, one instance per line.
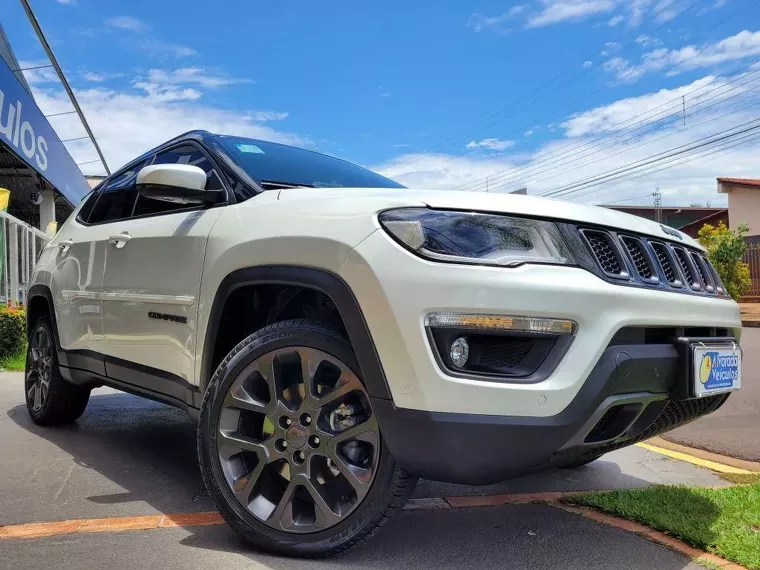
x=437, y=94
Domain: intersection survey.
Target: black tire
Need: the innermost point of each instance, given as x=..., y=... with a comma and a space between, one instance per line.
x=387, y=491
x=50, y=400
x=579, y=462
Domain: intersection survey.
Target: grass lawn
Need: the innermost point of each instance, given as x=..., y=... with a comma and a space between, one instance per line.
x=725, y=522
x=14, y=362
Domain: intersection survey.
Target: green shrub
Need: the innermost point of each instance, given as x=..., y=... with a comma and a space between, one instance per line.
x=12, y=330
x=726, y=248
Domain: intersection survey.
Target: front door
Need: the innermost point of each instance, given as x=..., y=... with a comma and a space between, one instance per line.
x=151, y=285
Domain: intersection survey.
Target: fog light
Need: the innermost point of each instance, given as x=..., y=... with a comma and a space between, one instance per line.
x=460, y=351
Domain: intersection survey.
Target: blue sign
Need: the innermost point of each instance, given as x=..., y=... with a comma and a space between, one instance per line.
x=719, y=370
x=26, y=131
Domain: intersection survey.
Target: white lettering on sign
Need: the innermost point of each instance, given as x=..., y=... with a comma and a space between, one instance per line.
x=21, y=134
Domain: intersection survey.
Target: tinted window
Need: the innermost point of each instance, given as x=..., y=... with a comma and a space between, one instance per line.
x=89, y=202
x=116, y=199
x=188, y=154
x=273, y=163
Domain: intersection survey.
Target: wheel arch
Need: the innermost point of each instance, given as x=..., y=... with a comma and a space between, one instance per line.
x=39, y=302
x=320, y=280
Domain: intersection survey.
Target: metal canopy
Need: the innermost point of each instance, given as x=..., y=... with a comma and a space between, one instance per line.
x=25, y=131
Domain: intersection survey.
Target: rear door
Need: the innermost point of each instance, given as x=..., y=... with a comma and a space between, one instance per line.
x=151, y=283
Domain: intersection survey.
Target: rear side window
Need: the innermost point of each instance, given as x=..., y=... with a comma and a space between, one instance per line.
x=116, y=200
x=186, y=154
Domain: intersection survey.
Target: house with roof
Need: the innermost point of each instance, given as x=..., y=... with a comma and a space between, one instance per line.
x=743, y=202
x=689, y=220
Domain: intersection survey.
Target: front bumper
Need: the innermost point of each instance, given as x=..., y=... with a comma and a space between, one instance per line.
x=629, y=396
x=396, y=290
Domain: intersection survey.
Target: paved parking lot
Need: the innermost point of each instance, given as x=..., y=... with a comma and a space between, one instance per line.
x=129, y=457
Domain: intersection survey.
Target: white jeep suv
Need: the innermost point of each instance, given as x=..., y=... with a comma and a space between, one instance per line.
x=338, y=335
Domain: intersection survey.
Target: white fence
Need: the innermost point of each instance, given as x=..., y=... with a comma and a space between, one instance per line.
x=21, y=243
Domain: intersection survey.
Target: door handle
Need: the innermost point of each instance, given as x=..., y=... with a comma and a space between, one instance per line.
x=65, y=244
x=120, y=240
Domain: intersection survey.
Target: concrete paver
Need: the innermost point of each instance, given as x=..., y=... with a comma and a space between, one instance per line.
x=524, y=536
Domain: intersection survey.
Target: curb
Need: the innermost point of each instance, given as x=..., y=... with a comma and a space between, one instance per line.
x=695, y=554
x=751, y=324
x=750, y=466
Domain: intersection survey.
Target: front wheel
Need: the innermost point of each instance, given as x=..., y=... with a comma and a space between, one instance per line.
x=289, y=446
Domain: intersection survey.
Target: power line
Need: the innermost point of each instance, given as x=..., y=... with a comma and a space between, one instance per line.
x=518, y=174
x=662, y=9
x=615, y=173
x=746, y=139
x=628, y=199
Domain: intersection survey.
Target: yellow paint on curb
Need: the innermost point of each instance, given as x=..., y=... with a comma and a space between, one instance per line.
x=719, y=467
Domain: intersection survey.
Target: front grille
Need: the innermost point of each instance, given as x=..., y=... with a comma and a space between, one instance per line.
x=606, y=253
x=638, y=260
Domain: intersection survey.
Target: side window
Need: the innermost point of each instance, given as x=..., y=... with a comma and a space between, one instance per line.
x=89, y=202
x=116, y=199
x=187, y=154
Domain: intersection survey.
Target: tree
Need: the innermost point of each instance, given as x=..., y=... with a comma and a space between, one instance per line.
x=725, y=249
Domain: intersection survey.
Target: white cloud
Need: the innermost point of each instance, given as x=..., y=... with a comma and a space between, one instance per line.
x=555, y=11
x=161, y=50
x=38, y=71
x=490, y=144
x=130, y=121
x=739, y=46
x=647, y=41
x=587, y=64
x=541, y=171
x=528, y=132
x=70, y=2
x=99, y=77
x=193, y=76
x=127, y=23
x=615, y=20
x=479, y=22
x=385, y=94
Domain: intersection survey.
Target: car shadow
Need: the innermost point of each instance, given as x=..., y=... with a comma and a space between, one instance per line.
x=149, y=450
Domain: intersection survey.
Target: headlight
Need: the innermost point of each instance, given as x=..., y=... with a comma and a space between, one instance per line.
x=482, y=239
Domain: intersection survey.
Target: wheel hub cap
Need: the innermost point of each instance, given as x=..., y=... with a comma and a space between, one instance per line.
x=297, y=441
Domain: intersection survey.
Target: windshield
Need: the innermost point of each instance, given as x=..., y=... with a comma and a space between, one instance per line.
x=280, y=166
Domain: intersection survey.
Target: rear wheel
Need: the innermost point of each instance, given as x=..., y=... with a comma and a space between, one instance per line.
x=50, y=399
x=289, y=446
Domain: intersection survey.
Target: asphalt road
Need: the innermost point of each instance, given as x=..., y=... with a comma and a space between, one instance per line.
x=734, y=430
x=128, y=457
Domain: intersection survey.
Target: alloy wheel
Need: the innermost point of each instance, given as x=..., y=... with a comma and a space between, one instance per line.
x=39, y=368
x=297, y=441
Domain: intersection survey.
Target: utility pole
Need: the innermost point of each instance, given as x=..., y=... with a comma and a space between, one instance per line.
x=683, y=105
x=657, y=195
x=486, y=183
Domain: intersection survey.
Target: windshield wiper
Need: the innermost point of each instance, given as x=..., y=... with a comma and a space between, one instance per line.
x=274, y=185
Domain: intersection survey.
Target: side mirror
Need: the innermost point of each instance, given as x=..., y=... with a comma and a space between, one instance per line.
x=177, y=183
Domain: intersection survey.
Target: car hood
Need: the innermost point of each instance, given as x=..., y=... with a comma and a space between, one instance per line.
x=375, y=198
